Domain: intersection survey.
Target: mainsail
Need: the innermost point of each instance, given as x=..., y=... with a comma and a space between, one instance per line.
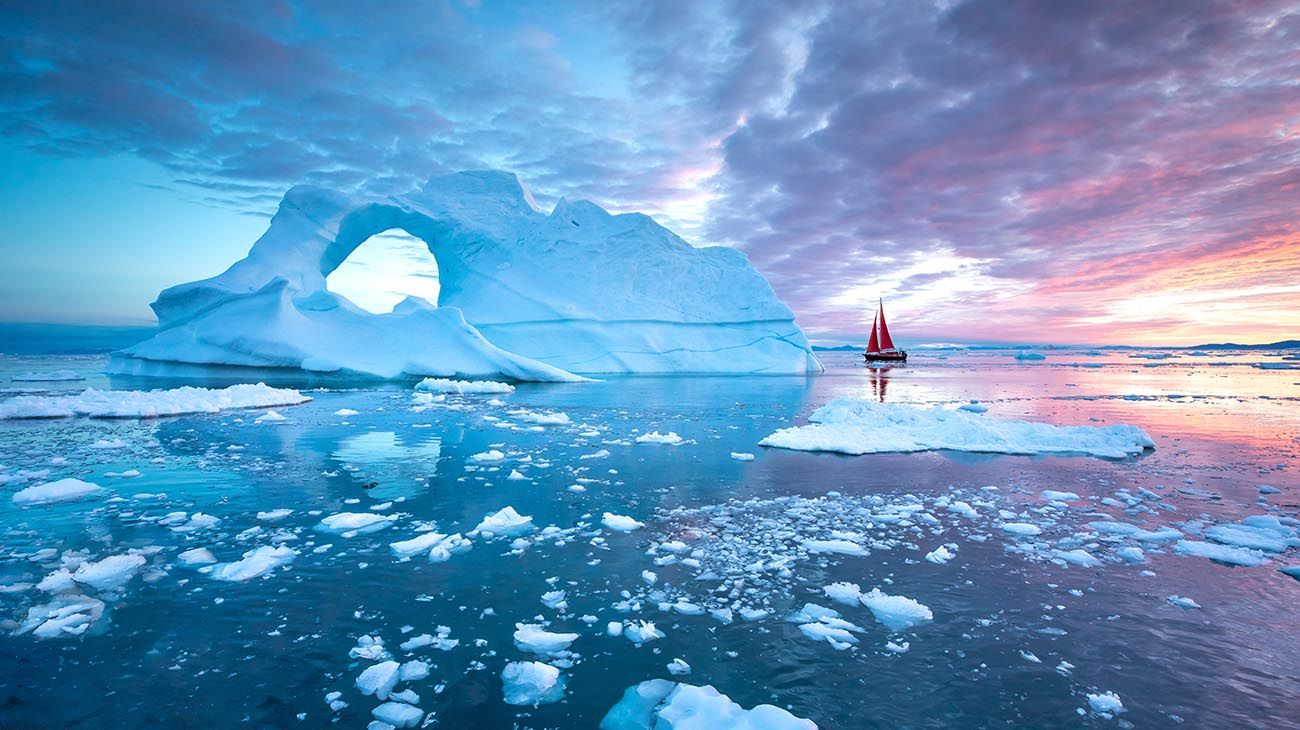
x=873, y=345
x=885, y=342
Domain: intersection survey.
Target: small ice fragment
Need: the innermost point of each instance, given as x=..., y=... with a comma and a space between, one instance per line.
x=620, y=523
x=531, y=683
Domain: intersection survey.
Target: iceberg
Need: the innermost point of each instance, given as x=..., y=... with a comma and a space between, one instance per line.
x=663, y=704
x=855, y=426
x=524, y=295
x=63, y=490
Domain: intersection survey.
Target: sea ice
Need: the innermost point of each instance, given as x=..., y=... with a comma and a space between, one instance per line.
x=1221, y=553
x=256, y=562
x=531, y=683
x=463, y=387
x=940, y=555
x=1105, y=703
x=348, y=524
x=63, y=490
x=654, y=437
x=1021, y=529
x=398, y=714
x=842, y=547
x=1183, y=602
x=148, y=403
x=854, y=426
x=111, y=573
x=1258, y=532
x=660, y=704
x=505, y=522
x=897, y=613
x=379, y=679
x=197, y=557
x=620, y=523
x=536, y=639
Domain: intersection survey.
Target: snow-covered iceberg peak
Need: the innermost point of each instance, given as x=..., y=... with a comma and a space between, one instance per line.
x=523, y=295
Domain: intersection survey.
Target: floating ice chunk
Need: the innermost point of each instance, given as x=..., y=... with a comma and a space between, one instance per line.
x=1132, y=555
x=554, y=599
x=70, y=614
x=148, y=404
x=1259, y=532
x=531, y=683
x=345, y=412
x=413, y=671
x=274, y=515
x=505, y=522
x=47, y=377
x=1051, y=495
x=1291, y=570
x=256, y=562
x=63, y=490
x=940, y=555
x=847, y=593
x=491, y=456
x=809, y=613
x=974, y=407
x=1105, y=703
x=897, y=613
x=841, y=547
x=398, y=714
x=541, y=418
x=641, y=632
x=665, y=705
x=421, y=543
x=599, y=454
x=515, y=476
x=963, y=509
x=463, y=387
x=197, y=521
x=1079, y=557
x=678, y=667
x=1030, y=356
x=197, y=557
x=853, y=426
x=111, y=573
x=654, y=437
x=270, y=417
x=742, y=456
x=128, y=474
x=834, y=631
x=349, y=524
x=536, y=639
x=1137, y=533
x=1183, y=602
x=620, y=523
x=379, y=679
x=1221, y=553
x=1021, y=529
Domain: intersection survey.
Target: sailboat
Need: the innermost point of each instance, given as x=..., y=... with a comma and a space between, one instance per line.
x=881, y=347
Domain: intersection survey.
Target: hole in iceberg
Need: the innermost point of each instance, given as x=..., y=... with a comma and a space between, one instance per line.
x=385, y=269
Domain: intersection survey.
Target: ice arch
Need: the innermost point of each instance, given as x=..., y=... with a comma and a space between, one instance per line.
x=523, y=295
x=385, y=269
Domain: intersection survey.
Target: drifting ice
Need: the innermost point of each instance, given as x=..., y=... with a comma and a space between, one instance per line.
x=148, y=403
x=659, y=703
x=524, y=295
x=852, y=426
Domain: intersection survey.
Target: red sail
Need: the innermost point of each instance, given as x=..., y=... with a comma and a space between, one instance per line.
x=873, y=346
x=885, y=342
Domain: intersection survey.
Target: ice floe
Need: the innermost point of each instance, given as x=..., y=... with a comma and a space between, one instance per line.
x=661, y=704
x=531, y=683
x=148, y=403
x=505, y=522
x=620, y=523
x=63, y=490
x=254, y=563
x=854, y=426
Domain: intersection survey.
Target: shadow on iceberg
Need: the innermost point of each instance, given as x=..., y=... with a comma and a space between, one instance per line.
x=524, y=296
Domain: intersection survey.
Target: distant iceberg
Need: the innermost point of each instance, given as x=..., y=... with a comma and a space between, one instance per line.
x=524, y=295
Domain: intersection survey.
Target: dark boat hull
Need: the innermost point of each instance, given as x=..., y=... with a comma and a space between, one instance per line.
x=885, y=356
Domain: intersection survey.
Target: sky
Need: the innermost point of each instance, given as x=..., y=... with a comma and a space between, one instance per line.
x=1072, y=172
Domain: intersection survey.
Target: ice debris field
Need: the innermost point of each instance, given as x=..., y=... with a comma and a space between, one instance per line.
x=634, y=555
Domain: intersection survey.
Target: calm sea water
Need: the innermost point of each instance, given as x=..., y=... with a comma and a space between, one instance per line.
x=179, y=649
